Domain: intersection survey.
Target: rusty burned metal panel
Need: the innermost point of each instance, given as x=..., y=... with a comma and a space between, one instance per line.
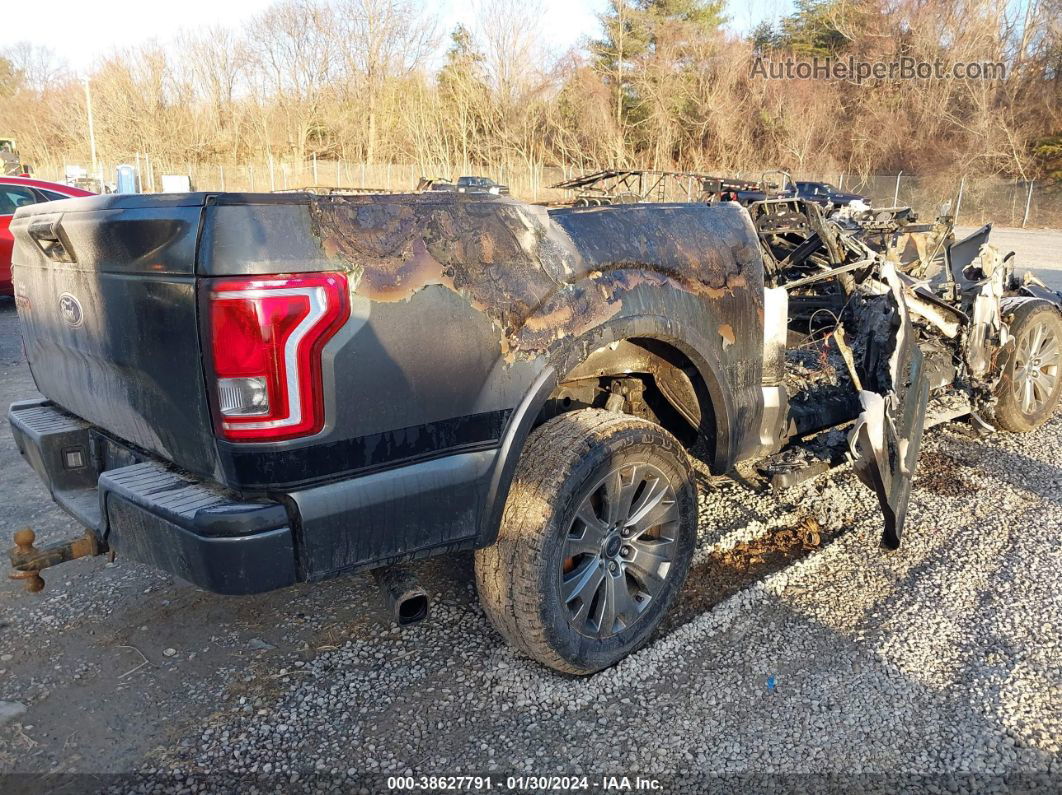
x=541, y=277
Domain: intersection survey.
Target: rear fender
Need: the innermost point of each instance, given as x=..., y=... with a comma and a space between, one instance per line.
x=566, y=360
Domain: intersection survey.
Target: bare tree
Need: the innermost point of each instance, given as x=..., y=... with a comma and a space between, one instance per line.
x=380, y=41
x=665, y=86
x=36, y=67
x=215, y=61
x=515, y=56
x=291, y=47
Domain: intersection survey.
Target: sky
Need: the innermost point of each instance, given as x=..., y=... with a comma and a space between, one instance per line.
x=81, y=32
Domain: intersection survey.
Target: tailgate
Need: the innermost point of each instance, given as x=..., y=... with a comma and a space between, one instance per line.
x=106, y=294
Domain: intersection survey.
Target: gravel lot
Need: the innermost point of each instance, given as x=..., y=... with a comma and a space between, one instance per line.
x=787, y=664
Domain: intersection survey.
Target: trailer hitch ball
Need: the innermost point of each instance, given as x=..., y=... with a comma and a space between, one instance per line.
x=33, y=582
x=27, y=560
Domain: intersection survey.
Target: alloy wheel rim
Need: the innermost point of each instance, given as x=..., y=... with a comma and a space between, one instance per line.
x=619, y=550
x=1036, y=364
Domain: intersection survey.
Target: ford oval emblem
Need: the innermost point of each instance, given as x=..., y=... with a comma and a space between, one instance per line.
x=70, y=309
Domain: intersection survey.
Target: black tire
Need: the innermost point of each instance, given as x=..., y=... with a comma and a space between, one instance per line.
x=1028, y=391
x=563, y=470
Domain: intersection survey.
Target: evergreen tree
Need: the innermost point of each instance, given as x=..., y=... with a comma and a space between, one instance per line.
x=633, y=29
x=815, y=27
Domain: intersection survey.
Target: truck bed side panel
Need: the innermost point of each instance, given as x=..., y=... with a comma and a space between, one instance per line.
x=459, y=303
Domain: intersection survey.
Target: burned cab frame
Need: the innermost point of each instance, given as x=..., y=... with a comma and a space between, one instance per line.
x=892, y=327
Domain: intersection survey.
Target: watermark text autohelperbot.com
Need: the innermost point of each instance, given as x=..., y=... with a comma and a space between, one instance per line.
x=856, y=71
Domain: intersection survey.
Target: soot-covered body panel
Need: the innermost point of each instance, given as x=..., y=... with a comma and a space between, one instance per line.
x=459, y=303
x=466, y=313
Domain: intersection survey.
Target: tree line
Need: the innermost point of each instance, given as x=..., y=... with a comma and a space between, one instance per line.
x=664, y=84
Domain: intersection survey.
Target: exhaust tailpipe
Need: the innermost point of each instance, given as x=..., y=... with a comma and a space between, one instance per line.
x=406, y=599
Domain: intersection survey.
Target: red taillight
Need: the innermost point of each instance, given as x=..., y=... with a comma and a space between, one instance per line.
x=266, y=336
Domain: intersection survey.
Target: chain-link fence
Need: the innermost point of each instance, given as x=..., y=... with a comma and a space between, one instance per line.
x=525, y=182
x=975, y=200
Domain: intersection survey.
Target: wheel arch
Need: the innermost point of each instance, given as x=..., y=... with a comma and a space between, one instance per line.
x=1004, y=413
x=669, y=337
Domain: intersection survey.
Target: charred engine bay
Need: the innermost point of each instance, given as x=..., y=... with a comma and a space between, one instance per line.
x=891, y=326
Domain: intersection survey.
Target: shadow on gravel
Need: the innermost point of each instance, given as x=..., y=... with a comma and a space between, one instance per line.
x=1020, y=471
x=727, y=571
x=770, y=688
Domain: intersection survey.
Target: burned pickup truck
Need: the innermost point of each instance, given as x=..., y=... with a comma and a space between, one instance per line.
x=250, y=391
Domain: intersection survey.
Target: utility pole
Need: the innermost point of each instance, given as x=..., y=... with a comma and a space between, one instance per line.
x=91, y=130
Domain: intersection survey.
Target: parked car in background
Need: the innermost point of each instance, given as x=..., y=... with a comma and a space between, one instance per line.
x=18, y=192
x=827, y=195
x=481, y=185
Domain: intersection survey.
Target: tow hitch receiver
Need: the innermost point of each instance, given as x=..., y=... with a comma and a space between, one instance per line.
x=27, y=561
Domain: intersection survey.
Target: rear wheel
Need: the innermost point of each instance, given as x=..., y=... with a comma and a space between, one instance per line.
x=595, y=542
x=1029, y=389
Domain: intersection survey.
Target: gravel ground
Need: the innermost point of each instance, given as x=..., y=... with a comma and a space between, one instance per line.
x=789, y=663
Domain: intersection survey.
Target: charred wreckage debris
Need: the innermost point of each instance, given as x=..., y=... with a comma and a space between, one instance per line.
x=890, y=326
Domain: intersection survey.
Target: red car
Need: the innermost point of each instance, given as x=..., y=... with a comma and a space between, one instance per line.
x=18, y=192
